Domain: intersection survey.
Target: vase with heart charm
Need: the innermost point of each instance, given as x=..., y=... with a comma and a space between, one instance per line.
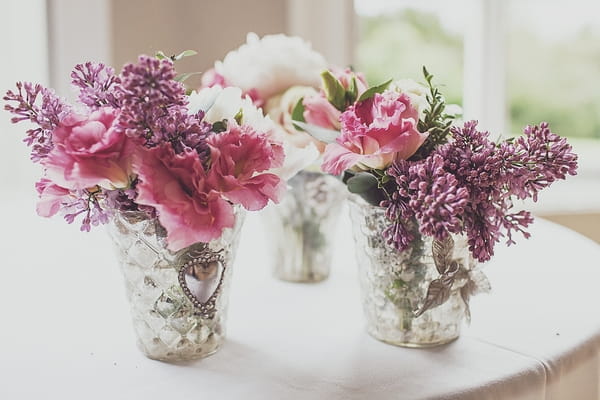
x=178, y=299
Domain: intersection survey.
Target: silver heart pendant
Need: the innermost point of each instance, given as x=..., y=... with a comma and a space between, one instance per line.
x=201, y=277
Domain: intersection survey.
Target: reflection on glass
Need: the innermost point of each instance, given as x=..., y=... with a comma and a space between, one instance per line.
x=202, y=279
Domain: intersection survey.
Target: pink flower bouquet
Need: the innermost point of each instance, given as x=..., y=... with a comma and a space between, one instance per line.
x=396, y=147
x=134, y=143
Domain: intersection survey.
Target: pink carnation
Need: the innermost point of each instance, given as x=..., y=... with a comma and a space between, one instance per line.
x=238, y=156
x=175, y=184
x=51, y=197
x=89, y=151
x=374, y=133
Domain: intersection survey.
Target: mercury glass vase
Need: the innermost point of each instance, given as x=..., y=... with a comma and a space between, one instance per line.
x=302, y=226
x=178, y=300
x=418, y=297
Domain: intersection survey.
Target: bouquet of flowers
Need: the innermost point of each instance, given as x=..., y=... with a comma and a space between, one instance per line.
x=275, y=71
x=137, y=141
x=396, y=147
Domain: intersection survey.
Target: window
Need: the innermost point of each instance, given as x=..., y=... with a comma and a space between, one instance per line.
x=554, y=65
x=397, y=38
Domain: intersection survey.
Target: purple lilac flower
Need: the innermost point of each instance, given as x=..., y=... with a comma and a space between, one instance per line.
x=97, y=85
x=430, y=195
x=88, y=205
x=467, y=186
x=150, y=98
x=154, y=108
x=538, y=159
x=40, y=106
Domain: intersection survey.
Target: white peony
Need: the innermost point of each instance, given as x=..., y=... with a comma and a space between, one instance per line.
x=272, y=64
x=225, y=103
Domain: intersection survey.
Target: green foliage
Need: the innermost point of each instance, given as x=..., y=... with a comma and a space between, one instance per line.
x=298, y=113
x=187, y=53
x=370, y=92
x=373, y=186
x=435, y=121
x=239, y=116
x=219, y=126
x=184, y=77
x=335, y=92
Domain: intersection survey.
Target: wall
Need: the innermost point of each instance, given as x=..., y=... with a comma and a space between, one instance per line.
x=209, y=27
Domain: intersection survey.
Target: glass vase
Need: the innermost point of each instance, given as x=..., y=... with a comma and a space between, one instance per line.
x=302, y=226
x=178, y=300
x=418, y=297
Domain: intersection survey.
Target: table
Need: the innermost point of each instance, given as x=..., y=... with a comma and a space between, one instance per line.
x=66, y=332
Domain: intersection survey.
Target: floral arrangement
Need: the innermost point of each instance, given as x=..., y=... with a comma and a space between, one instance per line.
x=137, y=141
x=276, y=71
x=395, y=145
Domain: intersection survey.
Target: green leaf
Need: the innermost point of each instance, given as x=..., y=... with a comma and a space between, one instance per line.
x=219, y=126
x=239, y=116
x=319, y=133
x=184, y=77
x=398, y=283
x=186, y=53
x=370, y=92
x=362, y=182
x=335, y=92
x=298, y=112
x=352, y=92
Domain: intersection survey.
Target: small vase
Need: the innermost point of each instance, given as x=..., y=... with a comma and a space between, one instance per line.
x=178, y=299
x=418, y=297
x=302, y=225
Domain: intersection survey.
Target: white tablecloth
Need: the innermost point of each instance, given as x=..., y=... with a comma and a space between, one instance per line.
x=65, y=330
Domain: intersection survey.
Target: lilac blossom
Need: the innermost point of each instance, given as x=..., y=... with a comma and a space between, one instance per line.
x=467, y=186
x=429, y=194
x=152, y=103
x=97, y=84
x=34, y=103
x=87, y=204
x=153, y=108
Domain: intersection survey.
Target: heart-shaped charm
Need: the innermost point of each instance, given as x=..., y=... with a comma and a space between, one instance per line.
x=201, y=277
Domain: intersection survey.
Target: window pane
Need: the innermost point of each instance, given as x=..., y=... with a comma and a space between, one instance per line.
x=554, y=65
x=398, y=37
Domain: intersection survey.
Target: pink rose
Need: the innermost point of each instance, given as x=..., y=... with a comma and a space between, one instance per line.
x=89, y=151
x=51, y=197
x=319, y=111
x=374, y=133
x=175, y=185
x=238, y=155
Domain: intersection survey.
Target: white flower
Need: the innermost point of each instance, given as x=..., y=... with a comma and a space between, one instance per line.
x=280, y=109
x=225, y=103
x=272, y=64
x=415, y=91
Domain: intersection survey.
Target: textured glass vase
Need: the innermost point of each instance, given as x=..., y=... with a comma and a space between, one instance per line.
x=301, y=227
x=418, y=297
x=178, y=299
